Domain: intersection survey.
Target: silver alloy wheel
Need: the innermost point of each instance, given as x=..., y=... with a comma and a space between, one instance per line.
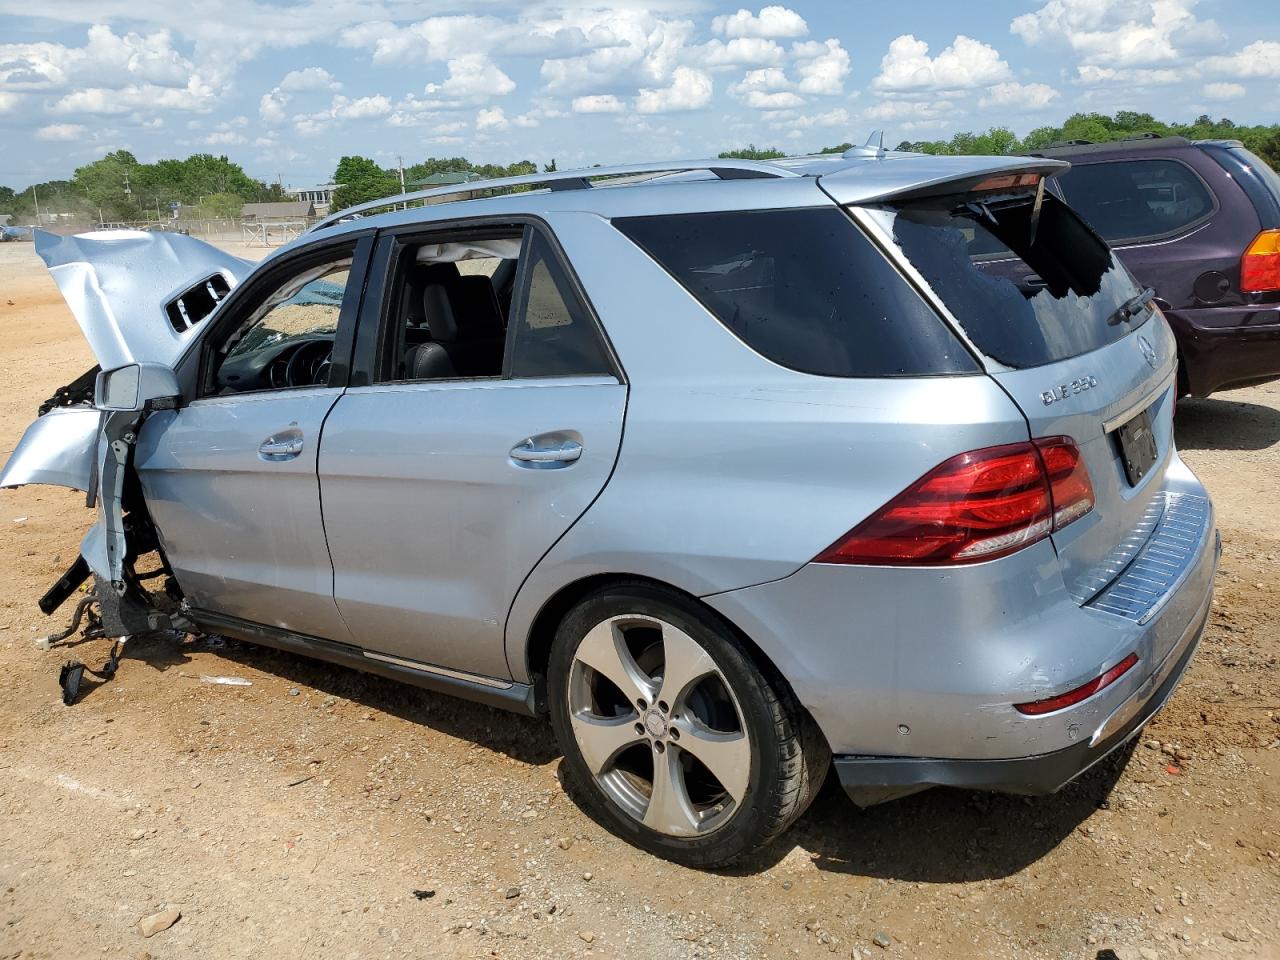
x=677, y=709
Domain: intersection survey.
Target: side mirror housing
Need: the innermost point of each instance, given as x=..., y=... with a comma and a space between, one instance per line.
x=136, y=386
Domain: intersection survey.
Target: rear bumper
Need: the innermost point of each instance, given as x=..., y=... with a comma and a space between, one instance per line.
x=1226, y=346
x=872, y=779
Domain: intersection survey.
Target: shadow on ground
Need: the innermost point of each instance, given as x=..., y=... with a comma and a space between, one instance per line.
x=1217, y=424
x=940, y=836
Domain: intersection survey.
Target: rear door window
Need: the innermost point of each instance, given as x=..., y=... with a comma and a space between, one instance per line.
x=806, y=288
x=1055, y=293
x=1137, y=199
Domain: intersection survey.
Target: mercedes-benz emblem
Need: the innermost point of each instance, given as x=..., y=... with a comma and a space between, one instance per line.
x=1148, y=351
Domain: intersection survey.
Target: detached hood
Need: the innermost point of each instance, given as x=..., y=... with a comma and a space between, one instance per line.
x=139, y=296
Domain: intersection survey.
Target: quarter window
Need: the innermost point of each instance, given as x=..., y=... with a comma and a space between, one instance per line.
x=1136, y=199
x=805, y=288
x=554, y=334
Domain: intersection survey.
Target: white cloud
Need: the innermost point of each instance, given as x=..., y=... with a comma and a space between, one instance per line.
x=779, y=100
x=1120, y=33
x=910, y=110
x=271, y=108
x=198, y=97
x=307, y=79
x=597, y=103
x=62, y=131
x=740, y=52
x=491, y=118
x=361, y=108
x=225, y=138
x=626, y=47
x=821, y=66
x=965, y=64
x=1259, y=59
x=107, y=60
x=1223, y=91
x=436, y=38
x=1019, y=96
x=690, y=89
x=1091, y=75
x=772, y=21
x=8, y=101
x=472, y=77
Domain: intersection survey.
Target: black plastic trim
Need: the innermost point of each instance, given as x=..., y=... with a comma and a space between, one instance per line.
x=517, y=697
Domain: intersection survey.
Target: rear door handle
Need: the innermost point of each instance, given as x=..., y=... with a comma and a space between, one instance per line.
x=282, y=445
x=546, y=452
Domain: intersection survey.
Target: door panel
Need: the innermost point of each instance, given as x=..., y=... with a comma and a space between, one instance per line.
x=238, y=509
x=437, y=507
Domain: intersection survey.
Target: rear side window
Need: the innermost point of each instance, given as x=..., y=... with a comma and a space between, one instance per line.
x=1137, y=199
x=555, y=336
x=805, y=288
x=1056, y=293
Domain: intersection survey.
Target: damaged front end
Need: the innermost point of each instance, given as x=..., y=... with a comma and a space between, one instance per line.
x=140, y=299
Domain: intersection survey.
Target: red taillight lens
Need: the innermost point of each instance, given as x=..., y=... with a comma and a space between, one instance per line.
x=976, y=506
x=1083, y=692
x=1260, y=265
x=1069, y=482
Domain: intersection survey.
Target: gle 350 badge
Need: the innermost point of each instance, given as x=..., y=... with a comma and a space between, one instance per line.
x=1064, y=390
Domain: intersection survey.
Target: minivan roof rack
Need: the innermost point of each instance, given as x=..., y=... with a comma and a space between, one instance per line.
x=725, y=169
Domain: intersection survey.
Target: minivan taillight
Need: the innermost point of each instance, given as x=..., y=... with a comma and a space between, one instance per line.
x=1260, y=265
x=976, y=506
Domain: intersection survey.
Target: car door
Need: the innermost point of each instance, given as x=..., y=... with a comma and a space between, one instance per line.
x=450, y=473
x=230, y=477
x=1164, y=221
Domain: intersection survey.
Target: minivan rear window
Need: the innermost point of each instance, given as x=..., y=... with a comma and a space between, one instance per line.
x=1025, y=296
x=806, y=288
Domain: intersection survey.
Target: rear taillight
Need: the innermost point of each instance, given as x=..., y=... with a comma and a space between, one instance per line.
x=1260, y=265
x=1083, y=692
x=976, y=506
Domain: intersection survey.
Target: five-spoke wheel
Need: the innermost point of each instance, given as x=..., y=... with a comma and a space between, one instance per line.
x=673, y=733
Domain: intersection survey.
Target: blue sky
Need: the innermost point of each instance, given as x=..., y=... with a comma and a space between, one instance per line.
x=287, y=89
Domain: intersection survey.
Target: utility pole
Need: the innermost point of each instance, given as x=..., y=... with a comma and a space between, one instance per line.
x=400, y=162
x=127, y=191
x=35, y=198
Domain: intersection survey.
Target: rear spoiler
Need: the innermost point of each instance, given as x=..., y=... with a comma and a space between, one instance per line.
x=914, y=176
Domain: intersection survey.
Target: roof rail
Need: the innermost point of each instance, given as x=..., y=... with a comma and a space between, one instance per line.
x=726, y=169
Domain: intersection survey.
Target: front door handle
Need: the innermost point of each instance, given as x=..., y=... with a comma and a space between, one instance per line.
x=282, y=445
x=546, y=452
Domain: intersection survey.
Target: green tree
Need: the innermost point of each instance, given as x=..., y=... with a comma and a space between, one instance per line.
x=752, y=152
x=362, y=180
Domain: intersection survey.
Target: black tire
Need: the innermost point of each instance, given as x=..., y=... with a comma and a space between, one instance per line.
x=788, y=755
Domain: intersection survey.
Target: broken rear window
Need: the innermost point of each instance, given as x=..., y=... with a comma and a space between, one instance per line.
x=1028, y=290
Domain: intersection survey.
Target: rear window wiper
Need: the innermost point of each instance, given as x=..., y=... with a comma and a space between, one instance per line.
x=1132, y=307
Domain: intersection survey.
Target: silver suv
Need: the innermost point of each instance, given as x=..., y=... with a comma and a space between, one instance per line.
x=736, y=470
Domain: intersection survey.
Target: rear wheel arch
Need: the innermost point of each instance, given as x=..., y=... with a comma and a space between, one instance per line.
x=543, y=629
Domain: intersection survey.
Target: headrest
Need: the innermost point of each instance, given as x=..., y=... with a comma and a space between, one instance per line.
x=465, y=308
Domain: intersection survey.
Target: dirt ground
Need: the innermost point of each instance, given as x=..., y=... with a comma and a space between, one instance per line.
x=316, y=812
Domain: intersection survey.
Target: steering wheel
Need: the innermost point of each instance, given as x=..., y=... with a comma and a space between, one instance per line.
x=309, y=366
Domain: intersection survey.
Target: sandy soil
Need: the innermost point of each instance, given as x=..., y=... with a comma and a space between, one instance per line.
x=316, y=812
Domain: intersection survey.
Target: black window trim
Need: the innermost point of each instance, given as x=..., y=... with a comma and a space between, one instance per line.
x=373, y=327
x=231, y=310
x=1143, y=239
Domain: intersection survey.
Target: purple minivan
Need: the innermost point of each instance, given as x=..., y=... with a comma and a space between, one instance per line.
x=1199, y=223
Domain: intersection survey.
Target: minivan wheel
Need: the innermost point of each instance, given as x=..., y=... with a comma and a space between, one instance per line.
x=673, y=737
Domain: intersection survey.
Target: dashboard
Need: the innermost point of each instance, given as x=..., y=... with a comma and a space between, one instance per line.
x=279, y=365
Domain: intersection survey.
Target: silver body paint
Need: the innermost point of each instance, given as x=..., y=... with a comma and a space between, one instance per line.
x=407, y=529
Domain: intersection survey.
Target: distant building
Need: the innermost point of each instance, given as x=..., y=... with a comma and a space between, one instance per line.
x=6, y=219
x=278, y=210
x=447, y=179
x=321, y=196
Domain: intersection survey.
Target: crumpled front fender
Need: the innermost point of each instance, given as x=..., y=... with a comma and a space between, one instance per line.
x=59, y=448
